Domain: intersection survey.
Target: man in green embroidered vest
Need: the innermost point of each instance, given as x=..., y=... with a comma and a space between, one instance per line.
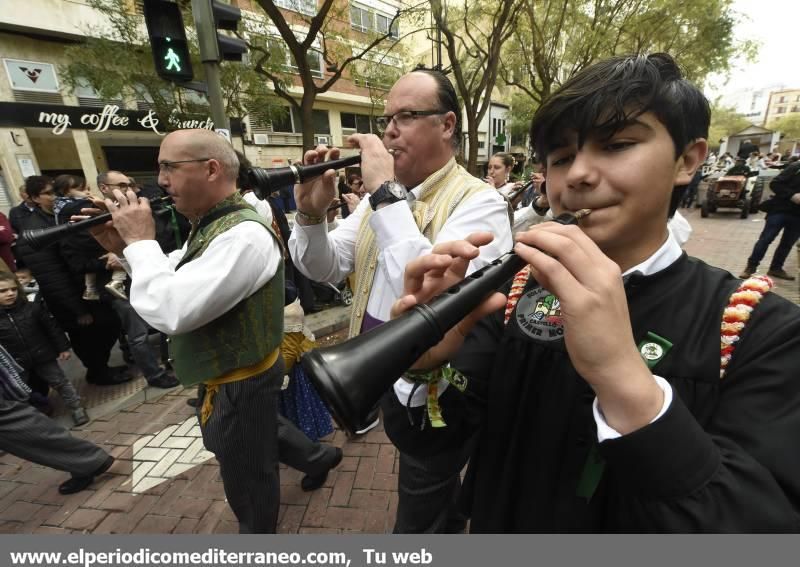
x=418, y=196
x=220, y=299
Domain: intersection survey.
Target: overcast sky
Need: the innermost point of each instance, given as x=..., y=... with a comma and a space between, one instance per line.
x=775, y=24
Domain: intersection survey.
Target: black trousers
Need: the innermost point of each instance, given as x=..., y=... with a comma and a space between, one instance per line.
x=428, y=490
x=242, y=432
x=92, y=344
x=296, y=450
x=28, y=434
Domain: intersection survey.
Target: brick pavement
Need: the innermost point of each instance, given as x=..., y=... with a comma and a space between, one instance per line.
x=164, y=482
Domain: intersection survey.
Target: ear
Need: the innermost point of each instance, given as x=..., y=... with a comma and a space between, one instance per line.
x=449, y=122
x=214, y=169
x=692, y=158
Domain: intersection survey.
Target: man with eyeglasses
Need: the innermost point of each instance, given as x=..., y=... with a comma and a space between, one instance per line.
x=418, y=196
x=220, y=300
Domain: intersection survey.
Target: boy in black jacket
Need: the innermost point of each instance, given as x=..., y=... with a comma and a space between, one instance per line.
x=34, y=339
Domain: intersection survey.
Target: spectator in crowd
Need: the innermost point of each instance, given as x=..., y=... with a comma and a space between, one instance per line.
x=29, y=435
x=7, y=237
x=783, y=214
x=84, y=255
x=33, y=338
x=746, y=149
x=72, y=196
x=499, y=173
x=92, y=326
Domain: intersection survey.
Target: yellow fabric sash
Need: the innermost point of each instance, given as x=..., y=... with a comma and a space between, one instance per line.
x=212, y=386
x=439, y=195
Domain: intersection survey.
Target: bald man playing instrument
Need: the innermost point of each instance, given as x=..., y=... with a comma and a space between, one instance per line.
x=226, y=281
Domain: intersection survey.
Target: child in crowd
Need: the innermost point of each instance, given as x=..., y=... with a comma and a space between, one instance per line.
x=70, y=189
x=28, y=283
x=616, y=384
x=33, y=338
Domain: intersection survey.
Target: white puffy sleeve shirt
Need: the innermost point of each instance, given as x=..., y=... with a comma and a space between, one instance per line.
x=233, y=267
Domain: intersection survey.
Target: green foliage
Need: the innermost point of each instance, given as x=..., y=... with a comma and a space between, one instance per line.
x=556, y=38
x=789, y=126
x=117, y=63
x=725, y=121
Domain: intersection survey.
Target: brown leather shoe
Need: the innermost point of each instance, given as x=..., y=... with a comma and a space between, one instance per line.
x=780, y=274
x=747, y=272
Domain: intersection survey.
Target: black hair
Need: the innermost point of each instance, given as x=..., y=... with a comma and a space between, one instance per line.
x=605, y=97
x=243, y=177
x=448, y=100
x=64, y=182
x=35, y=184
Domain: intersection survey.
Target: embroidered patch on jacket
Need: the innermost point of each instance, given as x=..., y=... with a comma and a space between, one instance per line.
x=538, y=315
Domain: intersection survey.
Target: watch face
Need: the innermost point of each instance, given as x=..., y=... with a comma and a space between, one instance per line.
x=397, y=190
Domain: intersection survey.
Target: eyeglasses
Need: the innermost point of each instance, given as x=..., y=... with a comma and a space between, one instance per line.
x=404, y=118
x=165, y=166
x=121, y=185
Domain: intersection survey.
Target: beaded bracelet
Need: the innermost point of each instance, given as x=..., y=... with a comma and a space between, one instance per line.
x=308, y=219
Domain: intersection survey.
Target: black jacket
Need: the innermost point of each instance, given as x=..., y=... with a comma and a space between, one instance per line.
x=30, y=334
x=17, y=217
x=56, y=283
x=786, y=184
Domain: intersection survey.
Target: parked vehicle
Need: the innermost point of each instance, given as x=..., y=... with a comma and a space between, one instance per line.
x=741, y=192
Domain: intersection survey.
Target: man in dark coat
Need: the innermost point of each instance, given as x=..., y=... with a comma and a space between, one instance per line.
x=783, y=213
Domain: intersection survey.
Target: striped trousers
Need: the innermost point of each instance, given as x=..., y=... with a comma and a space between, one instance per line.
x=242, y=432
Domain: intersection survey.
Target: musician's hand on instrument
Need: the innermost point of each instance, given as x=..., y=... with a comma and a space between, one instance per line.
x=112, y=262
x=352, y=201
x=315, y=195
x=132, y=217
x=377, y=164
x=105, y=234
x=597, y=328
x=332, y=214
x=428, y=276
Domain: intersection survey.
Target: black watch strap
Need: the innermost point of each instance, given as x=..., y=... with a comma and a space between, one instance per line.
x=383, y=195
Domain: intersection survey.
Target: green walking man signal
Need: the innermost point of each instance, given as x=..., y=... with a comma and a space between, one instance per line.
x=168, y=40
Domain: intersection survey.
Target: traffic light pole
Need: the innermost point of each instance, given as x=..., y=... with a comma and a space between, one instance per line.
x=209, y=54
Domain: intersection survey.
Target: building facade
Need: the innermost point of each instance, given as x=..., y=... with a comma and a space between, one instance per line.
x=782, y=103
x=46, y=129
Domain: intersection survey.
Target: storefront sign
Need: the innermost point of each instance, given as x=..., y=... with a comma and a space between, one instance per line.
x=31, y=76
x=109, y=118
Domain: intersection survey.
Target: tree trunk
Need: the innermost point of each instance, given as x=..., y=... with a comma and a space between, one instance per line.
x=307, y=122
x=472, y=138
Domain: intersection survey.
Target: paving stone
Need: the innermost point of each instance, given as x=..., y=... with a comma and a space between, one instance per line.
x=365, y=472
x=153, y=524
x=118, y=501
x=290, y=522
x=344, y=518
x=84, y=519
x=341, y=489
x=186, y=526
x=369, y=499
x=20, y=511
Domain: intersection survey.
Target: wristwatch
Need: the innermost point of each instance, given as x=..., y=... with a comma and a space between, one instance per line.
x=388, y=192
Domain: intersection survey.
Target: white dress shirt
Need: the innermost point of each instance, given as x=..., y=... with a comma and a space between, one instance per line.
x=260, y=205
x=330, y=256
x=234, y=266
x=664, y=257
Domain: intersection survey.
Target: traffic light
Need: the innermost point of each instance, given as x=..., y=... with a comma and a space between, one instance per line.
x=168, y=40
x=211, y=16
x=227, y=17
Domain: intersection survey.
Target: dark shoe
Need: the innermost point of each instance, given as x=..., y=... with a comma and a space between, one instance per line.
x=747, y=272
x=164, y=381
x=780, y=274
x=110, y=377
x=80, y=417
x=309, y=483
x=78, y=483
x=372, y=421
x=193, y=402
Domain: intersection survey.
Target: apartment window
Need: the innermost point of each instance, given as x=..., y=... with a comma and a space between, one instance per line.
x=780, y=110
x=368, y=20
x=289, y=121
x=360, y=123
x=796, y=108
x=313, y=57
x=782, y=99
x=307, y=7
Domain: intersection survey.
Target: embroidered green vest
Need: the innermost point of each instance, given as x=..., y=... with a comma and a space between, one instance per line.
x=246, y=334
